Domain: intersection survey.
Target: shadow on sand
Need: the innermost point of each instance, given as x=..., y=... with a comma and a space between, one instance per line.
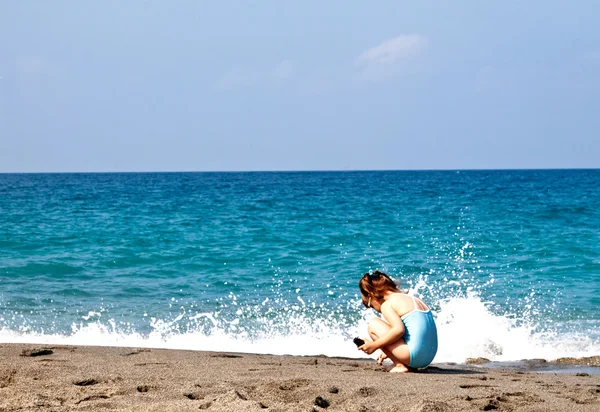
x=449, y=370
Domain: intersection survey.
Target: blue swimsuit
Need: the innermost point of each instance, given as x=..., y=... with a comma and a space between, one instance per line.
x=420, y=335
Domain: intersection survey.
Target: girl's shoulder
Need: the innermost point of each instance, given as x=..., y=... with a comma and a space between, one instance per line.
x=399, y=297
x=401, y=302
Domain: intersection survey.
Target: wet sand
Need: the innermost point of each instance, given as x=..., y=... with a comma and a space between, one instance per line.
x=68, y=378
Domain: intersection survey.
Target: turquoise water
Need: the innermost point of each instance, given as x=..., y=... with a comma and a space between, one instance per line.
x=269, y=262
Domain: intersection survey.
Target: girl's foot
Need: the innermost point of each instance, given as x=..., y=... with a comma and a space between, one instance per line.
x=399, y=368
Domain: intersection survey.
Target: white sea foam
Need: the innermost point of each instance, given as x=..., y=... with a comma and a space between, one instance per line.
x=97, y=334
x=466, y=328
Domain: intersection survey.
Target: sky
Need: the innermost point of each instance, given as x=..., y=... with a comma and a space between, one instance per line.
x=192, y=85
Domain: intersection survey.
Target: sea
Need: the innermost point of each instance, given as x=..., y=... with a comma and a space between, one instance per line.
x=269, y=262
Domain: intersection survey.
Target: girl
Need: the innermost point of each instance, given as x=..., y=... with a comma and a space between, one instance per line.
x=408, y=336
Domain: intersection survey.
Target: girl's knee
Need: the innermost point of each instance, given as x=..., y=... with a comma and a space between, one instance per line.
x=372, y=334
x=371, y=328
x=377, y=327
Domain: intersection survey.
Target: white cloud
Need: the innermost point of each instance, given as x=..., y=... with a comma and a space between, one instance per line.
x=389, y=60
x=394, y=50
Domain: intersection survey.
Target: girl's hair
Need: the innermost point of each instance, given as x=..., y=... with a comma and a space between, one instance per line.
x=375, y=285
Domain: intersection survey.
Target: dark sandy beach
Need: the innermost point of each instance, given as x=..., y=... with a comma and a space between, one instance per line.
x=65, y=378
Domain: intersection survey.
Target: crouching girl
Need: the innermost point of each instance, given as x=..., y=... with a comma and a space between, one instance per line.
x=407, y=334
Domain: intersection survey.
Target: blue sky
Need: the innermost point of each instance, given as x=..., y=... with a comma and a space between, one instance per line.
x=314, y=85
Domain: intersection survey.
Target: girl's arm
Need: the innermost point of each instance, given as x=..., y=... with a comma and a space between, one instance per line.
x=396, y=330
x=396, y=326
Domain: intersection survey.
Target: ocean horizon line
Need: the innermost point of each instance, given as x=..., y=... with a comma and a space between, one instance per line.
x=549, y=169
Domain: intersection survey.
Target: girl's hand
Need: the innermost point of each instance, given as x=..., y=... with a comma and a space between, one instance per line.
x=368, y=348
x=381, y=358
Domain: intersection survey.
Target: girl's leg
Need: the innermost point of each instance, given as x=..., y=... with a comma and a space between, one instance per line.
x=397, y=352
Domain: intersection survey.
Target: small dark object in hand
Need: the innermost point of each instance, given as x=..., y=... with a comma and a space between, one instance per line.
x=358, y=342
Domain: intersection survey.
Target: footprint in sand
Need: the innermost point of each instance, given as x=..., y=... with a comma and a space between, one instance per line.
x=7, y=378
x=430, y=406
x=321, y=402
x=135, y=352
x=194, y=396
x=92, y=398
x=475, y=386
x=366, y=391
x=86, y=382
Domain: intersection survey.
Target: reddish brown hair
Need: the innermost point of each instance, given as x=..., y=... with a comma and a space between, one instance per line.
x=375, y=285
